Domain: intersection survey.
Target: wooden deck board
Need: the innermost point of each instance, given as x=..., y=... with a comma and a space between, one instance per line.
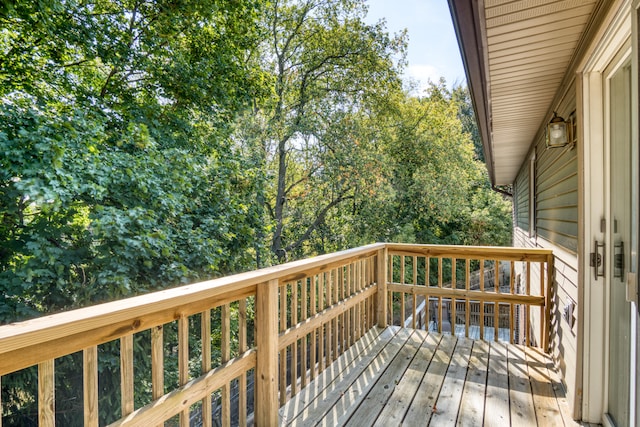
x=421, y=408
x=523, y=412
x=472, y=405
x=544, y=398
x=496, y=411
x=308, y=408
x=394, y=411
x=411, y=377
x=368, y=411
x=446, y=409
x=348, y=399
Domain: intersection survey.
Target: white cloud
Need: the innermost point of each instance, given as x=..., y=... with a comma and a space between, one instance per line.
x=422, y=74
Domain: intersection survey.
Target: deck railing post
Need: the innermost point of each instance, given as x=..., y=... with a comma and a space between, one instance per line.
x=266, y=405
x=381, y=280
x=547, y=302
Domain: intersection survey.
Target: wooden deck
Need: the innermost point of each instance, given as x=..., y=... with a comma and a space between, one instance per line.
x=410, y=377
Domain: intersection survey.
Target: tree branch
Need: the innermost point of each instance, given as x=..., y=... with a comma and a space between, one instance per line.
x=319, y=220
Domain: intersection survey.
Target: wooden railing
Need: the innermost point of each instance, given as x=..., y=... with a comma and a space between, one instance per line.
x=478, y=292
x=236, y=348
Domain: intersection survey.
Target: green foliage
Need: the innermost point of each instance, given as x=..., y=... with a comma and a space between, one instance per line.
x=148, y=144
x=86, y=221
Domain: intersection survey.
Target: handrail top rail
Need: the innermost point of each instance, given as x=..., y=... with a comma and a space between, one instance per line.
x=51, y=327
x=486, y=252
x=54, y=326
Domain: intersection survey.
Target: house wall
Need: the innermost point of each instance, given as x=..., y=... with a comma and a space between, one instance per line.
x=555, y=208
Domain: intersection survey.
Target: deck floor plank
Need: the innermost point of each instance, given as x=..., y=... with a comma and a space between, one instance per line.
x=410, y=377
x=472, y=405
x=523, y=412
x=372, y=405
x=446, y=409
x=344, y=400
x=423, y=403
x=398, y=404
x=311, y=407
x=496, y=411
x=544, y=397
x=371, y=343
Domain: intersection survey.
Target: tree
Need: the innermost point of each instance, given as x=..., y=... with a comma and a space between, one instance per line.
x=328, y=66
x=117, y=172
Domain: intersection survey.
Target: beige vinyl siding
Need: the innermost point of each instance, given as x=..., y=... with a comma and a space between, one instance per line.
x=521, y=198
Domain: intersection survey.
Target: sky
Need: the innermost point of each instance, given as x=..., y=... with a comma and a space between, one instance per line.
x=433, y=49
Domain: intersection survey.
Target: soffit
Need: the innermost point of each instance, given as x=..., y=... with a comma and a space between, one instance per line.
x=529, y=47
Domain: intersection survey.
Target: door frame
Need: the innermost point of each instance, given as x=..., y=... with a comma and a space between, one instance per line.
x=635, y=188
x=593, y=157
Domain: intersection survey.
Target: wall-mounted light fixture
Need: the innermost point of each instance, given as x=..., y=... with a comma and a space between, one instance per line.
x=559, y=132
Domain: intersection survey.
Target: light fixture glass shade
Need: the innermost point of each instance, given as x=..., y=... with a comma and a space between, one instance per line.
x=557, y=132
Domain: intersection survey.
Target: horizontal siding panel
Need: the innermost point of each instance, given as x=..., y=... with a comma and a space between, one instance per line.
x=567, y=228
x=557, y=173
x=563, y=200
x=566, y=186
x=566, y=241
x=521, y=197
x=568, y=213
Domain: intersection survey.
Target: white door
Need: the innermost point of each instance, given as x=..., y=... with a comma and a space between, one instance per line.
x=618, y=245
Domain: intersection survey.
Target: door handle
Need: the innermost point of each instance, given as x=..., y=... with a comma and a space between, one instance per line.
x=597, y=260
x=618, y=261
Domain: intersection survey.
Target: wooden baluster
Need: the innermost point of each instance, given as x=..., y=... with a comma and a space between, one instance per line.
x=361, y=285
x=266, y=403
x=511, y=306
x=352, y=312
x=547, y=306
x=183, y=364
x=334, y=280
x=126, y=375
x=349, y=313
x=242, y=347
x=225, y=354
x=283, y=352
x=390, y=308
x=527, y=340
x=321, y=349
x=358, y=312
x=294, y=346
x=382, y=261
x=157, y=362
x=482, y=302
x=303, y=340
x=313, y=311
x=369, y=301
x=415, y=283
x=427, y=280
x=453, y=299
x=342, y=277
x=542, y=308
x=402, y=294
x=439, y=297
x=467, y=287
x=46, y=394
x=496, y=304
x=205, y=336
x=327, y=328
x=90, y=385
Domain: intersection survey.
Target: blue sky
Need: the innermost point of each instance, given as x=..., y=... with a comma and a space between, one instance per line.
x=433, y=49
